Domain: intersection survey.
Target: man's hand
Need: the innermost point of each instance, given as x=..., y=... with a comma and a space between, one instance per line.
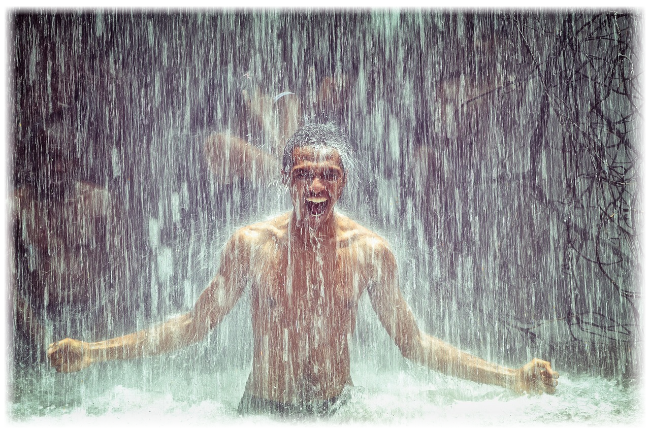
x=69, y=355
x=334, y=91
x=279, y=117
x=225, y=156
x=229, y=156
x=536, y=377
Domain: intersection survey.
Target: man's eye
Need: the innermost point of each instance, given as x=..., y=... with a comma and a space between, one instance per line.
x=330, y=176
x=301, y=174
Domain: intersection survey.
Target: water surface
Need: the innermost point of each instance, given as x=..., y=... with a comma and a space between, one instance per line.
x=380, y=397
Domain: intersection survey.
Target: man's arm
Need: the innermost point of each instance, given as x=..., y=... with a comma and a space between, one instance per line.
x=229, y=156
x=398, y=320
x=16, y=306
x=214, y=303
x=278, y=118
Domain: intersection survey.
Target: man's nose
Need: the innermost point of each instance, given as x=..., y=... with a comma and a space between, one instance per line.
x=316, y=185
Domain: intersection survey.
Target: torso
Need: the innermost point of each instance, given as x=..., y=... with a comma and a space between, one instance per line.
x=304, y=305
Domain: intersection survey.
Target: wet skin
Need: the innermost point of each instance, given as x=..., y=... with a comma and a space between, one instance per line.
x=307, y=270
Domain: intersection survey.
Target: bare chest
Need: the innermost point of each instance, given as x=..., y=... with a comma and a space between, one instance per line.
x=305, y=292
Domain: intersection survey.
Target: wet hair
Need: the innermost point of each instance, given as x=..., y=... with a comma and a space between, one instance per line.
x=327, y=135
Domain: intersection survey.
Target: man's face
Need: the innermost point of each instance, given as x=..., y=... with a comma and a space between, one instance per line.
x=316, y=182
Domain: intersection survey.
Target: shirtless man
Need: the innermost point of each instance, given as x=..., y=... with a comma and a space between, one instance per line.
x=64, y=245
x=306, y=270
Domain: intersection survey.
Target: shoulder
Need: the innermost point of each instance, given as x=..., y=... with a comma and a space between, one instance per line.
x=262, y=232
x=355, y=236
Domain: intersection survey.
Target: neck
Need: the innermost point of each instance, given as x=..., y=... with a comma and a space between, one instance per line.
x=308, y=236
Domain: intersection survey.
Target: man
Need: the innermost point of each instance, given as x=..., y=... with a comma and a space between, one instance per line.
x=306, y=270
x=64, y=264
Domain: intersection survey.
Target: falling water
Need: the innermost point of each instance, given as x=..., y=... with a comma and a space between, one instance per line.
x=496, y=151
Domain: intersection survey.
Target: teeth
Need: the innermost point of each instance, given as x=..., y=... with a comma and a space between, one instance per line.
x=316, y=199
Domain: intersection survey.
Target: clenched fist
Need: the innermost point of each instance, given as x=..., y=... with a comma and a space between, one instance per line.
x=536, y=377
x=69, y=355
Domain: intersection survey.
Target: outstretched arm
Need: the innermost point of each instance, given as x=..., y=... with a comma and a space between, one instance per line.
x=398, y=320
x=229, y=156
x=279, y=116
x=213, y=305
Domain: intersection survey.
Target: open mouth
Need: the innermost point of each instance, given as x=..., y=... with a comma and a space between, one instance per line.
x=316, y=206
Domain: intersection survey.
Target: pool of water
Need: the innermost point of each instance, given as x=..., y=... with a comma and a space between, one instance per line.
x=180, y=391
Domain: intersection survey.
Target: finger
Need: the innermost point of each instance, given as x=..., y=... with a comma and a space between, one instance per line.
x=550, y=373
x=542, y=363
x=56, y=360
x=53, y=356
x=550, y=378
x=63, y=365
x=549, y=389
x=546, y=368
x=57, y=366
x=550, y=382
x=546, y=385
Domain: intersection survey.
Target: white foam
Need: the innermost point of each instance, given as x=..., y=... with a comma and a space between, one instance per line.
x=179, y=394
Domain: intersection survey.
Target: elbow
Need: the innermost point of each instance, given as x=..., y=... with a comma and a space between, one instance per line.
x=192, y=331
x=412, y=348
x=423, y=350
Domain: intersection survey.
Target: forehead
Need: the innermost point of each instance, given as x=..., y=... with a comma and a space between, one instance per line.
x=319, y=155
